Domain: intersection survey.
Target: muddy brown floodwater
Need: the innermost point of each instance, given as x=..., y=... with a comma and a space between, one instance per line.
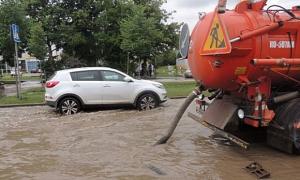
x=36, y=143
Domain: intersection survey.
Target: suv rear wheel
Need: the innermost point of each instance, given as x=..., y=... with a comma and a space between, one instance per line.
x=68, y=106
x=147, y=102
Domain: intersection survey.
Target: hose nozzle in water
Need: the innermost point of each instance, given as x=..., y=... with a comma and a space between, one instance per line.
x=196, y=92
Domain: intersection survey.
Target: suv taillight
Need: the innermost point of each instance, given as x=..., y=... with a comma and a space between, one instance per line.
x=51, y=84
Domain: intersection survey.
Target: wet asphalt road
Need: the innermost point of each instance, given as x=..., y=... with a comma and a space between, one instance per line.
x=36, y=143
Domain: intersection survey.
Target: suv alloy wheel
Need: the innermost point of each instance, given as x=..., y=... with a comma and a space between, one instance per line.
x=68, y=106
x=147, y=102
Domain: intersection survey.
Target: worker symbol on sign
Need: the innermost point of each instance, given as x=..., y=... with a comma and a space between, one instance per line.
x=216, y=42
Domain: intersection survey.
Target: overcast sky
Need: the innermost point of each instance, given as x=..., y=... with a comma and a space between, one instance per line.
x=187, y=10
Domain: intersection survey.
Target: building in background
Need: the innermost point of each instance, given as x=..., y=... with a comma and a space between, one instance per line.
x=29, y=64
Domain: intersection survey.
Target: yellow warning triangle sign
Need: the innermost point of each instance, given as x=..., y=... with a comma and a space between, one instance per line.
x=217, y=41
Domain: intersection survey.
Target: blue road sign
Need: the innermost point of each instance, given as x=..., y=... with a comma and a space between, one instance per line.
x=15, y=32
x=184, y=41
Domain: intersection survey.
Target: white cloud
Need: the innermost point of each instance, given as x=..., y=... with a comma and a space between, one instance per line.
x=187, y=10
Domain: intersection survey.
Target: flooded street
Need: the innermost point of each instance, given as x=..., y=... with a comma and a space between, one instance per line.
x=36, y=143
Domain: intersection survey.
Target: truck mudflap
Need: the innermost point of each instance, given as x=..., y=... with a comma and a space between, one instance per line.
x=219, y=131
x=220, y=112
x=279, y=138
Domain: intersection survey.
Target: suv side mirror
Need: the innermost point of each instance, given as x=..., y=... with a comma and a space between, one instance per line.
x=128, y=79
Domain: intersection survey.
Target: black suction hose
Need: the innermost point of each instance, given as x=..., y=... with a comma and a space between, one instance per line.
x=178, y=116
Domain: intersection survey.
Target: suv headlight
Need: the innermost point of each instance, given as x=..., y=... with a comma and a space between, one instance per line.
x=160, y=86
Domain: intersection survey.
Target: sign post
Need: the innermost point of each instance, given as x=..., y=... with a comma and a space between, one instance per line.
x=1, y=66
x=16, y=38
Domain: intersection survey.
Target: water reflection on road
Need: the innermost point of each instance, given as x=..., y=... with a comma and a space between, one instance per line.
x=36, y=143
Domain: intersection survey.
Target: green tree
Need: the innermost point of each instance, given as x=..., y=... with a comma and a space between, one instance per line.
x=91, y=32
x=12, y=11
x=146, y=34
x=139, y=33
x=79, y=26
x=46, y=17
x=37, y=43
x=167, y=58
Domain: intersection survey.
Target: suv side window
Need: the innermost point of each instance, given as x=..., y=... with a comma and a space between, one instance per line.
x=85, y=76
x=112, y=76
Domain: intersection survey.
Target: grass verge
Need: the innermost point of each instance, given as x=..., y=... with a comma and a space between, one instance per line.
x=176, y=89
x=164, y=72
x=25, y=77
x=36, y=95
x=32, y=96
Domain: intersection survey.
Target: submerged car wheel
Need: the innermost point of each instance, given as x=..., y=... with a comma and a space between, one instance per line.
x=147, y=102
x=69, y=106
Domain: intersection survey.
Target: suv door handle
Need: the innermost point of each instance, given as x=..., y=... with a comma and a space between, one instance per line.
x=76, y=85
x=106, y=85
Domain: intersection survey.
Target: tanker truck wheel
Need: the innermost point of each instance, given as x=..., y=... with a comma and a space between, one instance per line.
x=284, y=132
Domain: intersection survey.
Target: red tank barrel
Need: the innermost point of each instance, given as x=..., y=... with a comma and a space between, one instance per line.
x=251, y=55
x=223, y=46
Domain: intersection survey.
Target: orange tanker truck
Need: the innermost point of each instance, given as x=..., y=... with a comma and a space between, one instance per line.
x=248, y=59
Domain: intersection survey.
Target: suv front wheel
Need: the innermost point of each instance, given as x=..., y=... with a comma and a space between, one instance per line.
x=147, y=102
x=68, y=106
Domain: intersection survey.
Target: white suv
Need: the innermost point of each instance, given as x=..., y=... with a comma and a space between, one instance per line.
x=71, y=90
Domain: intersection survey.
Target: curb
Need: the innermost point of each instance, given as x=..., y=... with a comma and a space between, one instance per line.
x=43, y=104
x=178, y=97
x=21, y=105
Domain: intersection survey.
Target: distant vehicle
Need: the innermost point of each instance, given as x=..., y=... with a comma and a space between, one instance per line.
x=188, y=74
x=35, y=71
x=183, y=68
x=71, y=90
